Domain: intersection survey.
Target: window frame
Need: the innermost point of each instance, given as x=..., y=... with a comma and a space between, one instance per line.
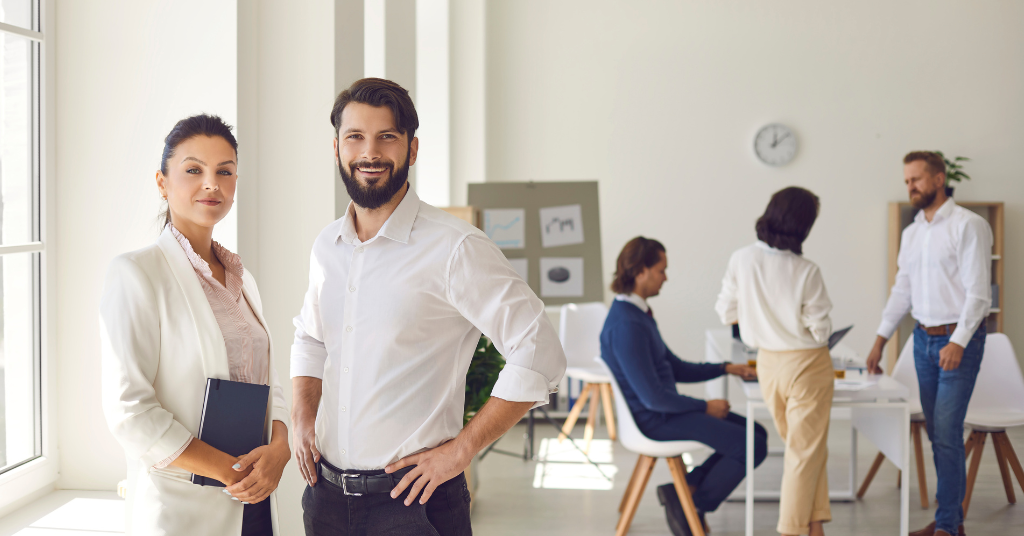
x=28, y=480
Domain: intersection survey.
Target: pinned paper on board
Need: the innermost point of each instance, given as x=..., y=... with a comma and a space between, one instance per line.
x=561, y=277
x=506, y=227
x=521, y=267
x=561, y=226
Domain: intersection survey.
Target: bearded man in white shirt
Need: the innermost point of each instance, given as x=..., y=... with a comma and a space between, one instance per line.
x=398, y=296
x=944, y=282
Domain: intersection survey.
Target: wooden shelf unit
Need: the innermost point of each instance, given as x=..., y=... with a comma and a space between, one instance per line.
x=901, y=215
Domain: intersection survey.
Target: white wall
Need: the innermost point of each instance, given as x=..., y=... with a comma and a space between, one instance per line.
x=293, y=91
x=126, y=72
x=659, y=101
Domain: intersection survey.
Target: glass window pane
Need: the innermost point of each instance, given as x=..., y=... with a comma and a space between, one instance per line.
x=16, y=170
x=18, y=350
x=17, y=13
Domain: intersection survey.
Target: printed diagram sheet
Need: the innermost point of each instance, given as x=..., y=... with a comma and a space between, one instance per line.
x=561, y=226
x=506, y=227
x=561, y=277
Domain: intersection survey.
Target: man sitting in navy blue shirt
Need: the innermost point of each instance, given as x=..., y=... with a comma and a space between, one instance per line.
x=647, y=373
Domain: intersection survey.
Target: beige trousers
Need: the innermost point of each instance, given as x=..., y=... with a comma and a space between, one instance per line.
x=797, y=386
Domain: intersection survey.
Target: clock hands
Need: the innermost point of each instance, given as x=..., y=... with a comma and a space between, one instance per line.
x=776, y=140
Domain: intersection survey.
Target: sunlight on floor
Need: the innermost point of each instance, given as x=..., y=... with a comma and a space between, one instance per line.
x=562, y=466
x=80, y=517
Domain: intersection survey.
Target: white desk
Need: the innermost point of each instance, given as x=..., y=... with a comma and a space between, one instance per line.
x=878, y=410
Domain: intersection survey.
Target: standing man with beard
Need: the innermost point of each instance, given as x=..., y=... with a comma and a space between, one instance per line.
x=945, y=264
x=399, y=293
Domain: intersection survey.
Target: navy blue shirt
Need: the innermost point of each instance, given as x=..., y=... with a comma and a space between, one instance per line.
x=645, y=369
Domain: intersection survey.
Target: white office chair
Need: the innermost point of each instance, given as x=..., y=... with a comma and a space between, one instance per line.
x=905, y=372
x=997, y=404
x=649, y=451
x=580, y=333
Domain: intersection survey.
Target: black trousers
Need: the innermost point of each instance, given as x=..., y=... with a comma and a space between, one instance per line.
x=327, y=511
x=256, y=519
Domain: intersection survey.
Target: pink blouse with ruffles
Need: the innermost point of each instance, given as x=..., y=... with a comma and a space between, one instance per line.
x=245, y=339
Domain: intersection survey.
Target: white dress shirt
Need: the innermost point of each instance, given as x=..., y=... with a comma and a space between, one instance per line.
x=635, y=299
x=390, y=326
x=778, y=298
x=945, y=272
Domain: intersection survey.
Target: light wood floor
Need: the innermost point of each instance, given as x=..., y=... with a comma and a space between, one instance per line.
x=508, y=503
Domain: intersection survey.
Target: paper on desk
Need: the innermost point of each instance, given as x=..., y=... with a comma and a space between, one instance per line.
x=853, y=385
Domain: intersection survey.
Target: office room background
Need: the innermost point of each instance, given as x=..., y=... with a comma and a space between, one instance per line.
x=657, y=101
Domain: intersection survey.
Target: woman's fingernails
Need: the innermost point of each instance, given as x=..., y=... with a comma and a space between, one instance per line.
x=236, y=466
x=226, y=492
x=243, y=502
x=234, y=498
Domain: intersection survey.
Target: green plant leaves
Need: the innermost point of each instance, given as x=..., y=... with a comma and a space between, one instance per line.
x=482, y=375
x=954, y=171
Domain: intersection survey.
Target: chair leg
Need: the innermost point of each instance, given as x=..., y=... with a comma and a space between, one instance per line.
x=632, y=482
x=593, y=411
x=922, y=480
x=678, y=469
x=574, y=413
x=1011, y=457
x=644, y=466
x=969, y=445
x=871, y=475
x=972, y=474
x=1004, y=471
x=609, y=414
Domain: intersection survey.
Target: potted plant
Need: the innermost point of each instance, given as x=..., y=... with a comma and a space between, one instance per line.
x=480, y=379
x=954, y=171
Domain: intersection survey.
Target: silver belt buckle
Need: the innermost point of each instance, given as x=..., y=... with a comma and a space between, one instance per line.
x=344, y=485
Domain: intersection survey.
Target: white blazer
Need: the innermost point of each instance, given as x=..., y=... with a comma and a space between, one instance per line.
x=161, y=342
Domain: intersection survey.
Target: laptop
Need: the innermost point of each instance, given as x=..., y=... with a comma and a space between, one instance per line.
x=837, y=336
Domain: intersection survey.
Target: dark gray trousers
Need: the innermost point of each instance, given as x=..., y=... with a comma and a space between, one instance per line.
x=327, y=511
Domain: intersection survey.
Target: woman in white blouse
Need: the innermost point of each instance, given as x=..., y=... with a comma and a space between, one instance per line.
x=172, y=315
x=779, y=299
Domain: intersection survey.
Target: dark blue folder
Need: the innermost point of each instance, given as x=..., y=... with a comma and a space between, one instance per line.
x=234, y=414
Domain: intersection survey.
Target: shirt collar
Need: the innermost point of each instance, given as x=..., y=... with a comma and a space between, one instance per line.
x=232, y=262
x=397, y=228
x=635, y=300
x=763, y=245
x=944, y=211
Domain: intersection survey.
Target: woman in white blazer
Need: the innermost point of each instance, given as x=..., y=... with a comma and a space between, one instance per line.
x=172, y=315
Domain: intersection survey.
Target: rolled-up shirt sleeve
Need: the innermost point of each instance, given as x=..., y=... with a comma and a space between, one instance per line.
x=487, y=291
x=974, y=258
x=309, y=353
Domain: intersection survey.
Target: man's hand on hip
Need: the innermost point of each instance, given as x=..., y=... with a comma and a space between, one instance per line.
x=433, y=468
x=950, y=356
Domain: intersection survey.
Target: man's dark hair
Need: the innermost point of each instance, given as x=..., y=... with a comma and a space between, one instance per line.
x=198, y=125
x=637, y=254
x=379, y=92
x=788, y=219
x=935, y=162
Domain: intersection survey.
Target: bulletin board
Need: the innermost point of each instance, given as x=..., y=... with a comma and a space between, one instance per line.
x=550, y=232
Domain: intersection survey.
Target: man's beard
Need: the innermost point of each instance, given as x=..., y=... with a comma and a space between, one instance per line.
x=925, y=199
x=374, y=196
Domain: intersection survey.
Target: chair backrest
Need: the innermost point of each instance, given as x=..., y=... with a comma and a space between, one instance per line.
x=630, y=436
x=579, y=331
x=1000, y=384
x=905, y=372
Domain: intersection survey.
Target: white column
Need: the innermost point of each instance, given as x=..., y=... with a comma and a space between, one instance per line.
x=433, y=102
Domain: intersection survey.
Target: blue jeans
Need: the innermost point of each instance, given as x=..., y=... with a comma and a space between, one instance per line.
x=944, y=397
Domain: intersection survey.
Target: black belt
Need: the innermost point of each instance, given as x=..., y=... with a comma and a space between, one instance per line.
x=356, y=484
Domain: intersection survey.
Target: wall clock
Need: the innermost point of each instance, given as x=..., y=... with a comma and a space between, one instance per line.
x=775, y=144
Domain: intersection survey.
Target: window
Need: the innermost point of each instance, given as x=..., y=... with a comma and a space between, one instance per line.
x=21, y=241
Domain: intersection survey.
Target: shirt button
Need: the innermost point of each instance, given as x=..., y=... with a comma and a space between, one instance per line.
x=343, y=451
x=342, y=408
x=351, y=289
x=348, y=329
x=345, y=369
x=359, y=249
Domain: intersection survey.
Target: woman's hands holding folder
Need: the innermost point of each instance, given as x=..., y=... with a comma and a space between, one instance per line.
x=265, y=465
